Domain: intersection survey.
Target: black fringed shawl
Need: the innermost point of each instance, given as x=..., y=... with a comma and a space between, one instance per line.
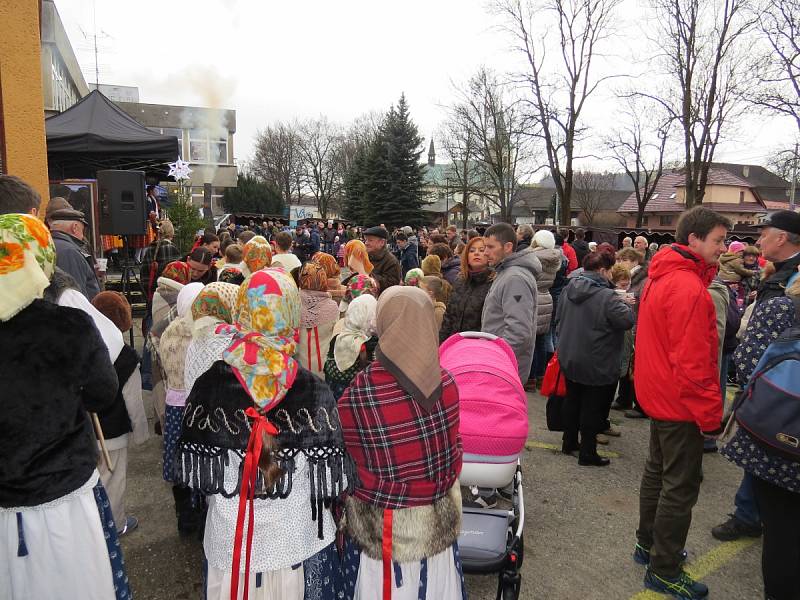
x=214, y=422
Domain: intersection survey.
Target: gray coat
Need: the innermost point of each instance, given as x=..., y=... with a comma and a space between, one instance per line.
x=71, y=257
x=510, y=306
x=592, y=320
x=550, y=260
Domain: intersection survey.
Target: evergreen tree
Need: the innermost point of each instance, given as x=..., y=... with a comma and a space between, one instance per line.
x=353, y=204
x=252, y=195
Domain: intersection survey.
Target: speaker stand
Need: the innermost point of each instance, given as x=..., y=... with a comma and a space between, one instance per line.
x=130, y=278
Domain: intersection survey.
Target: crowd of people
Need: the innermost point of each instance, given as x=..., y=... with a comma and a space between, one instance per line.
x=305, y=416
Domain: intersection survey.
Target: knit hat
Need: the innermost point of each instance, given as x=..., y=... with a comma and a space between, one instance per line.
x=544, y=239
x=736, y=247
x=27, y=261
x=116, y=307
x=432, y=265
x=414, y=276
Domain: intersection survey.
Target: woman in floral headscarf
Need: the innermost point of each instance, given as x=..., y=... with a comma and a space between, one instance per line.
x=318, y=315
x=357, y=285
x=332, y=270
x=256, y=255
x=356, y=258
x=59, y=538
x=260, y=407
x=172, y=356
x=414, y=277
x=212, y=308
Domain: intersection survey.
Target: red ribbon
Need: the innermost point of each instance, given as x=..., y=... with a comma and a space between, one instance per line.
x=316, y=340
x=386, y=553
x=246, y=497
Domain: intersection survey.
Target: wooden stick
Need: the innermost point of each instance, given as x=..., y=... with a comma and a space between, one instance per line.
x=98, y=431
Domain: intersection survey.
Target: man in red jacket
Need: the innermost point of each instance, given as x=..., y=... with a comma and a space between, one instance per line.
x=677, y=385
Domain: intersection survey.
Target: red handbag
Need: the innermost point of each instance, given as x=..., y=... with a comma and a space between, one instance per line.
x=554, y=383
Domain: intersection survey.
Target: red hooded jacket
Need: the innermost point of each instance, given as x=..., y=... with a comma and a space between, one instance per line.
x=572, y=258
x=676, y=373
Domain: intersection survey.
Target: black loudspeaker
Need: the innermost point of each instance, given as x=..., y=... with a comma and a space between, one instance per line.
x=123, y=208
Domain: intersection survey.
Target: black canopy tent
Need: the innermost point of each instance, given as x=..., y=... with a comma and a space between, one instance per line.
x=94, y=134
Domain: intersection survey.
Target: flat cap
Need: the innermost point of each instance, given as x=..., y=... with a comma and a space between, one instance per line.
x=377, y=231
x=67, y=214
x=785, y=220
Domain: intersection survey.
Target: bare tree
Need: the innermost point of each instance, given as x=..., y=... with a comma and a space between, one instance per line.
x=702, y=52
x=318, y=144
x=779, y=89
x=591, y=191
x=276, y=158
x=638, y=147
x=498, y=129
x=560, y=87
x=458, y=140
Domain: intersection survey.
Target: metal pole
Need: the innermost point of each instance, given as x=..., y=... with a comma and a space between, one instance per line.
x=794, y=180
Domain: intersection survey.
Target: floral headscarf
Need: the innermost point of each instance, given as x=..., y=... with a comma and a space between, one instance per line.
x=216, y=300
x=256, y=255
x=358, y=285
x=231, y=275
x=177, y=271
x=327, y=262
x=265, y=318
x=413, y=277
x=313, y=277
x=27, y=261
x=357, y=249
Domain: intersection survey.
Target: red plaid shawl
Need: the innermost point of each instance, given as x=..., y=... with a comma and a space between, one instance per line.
x=404, y=455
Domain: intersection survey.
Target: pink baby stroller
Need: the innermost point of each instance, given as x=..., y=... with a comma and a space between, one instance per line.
x=494, y=428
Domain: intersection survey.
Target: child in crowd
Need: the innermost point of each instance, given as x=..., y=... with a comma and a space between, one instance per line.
x=125, y=419
x=233, y=257
x=435, y=287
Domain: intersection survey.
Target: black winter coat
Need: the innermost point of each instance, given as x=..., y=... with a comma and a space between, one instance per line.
x=581, y=248
x=466, y=304
x=775, y=286
x=54, y=368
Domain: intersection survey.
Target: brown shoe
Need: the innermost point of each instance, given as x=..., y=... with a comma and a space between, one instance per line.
x=612, y=431
x=602, y=439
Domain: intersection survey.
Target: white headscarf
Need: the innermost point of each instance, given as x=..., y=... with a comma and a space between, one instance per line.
x=186, y=297
x=359, y=326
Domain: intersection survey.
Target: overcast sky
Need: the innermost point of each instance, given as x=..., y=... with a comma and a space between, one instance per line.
x=273, y=61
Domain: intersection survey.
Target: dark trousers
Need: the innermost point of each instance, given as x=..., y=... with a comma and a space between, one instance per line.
x=780, y=555
x=669, y=490
x=585, y=409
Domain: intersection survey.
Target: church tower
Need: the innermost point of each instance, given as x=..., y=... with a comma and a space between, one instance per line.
x=431, y=155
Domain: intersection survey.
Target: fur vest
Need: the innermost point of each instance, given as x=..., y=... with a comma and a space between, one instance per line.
x=417, y=533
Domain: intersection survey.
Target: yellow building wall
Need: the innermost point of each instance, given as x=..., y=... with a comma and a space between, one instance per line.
x=21, y=89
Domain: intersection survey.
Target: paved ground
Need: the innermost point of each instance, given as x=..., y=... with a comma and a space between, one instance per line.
x=579, y=531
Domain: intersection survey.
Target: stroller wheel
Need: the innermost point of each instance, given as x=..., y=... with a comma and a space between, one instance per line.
x=511, y=588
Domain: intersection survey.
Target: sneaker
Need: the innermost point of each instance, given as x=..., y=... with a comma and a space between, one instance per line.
x=612, y=431
x=682, y=586
x=131, y=523
x=641, y=555
x=734, y=528
x=635, y=414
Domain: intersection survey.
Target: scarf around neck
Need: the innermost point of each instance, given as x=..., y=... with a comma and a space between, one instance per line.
x=408, y=342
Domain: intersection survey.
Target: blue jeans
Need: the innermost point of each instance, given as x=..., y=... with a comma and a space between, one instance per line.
x=745, y=501
x=541, y=349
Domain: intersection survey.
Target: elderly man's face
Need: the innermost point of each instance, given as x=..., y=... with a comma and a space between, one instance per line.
x=374, y=243
x=640, y=243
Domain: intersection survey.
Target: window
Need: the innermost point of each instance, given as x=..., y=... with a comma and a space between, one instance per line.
x=665, y=220
x=65, y=93
x=198, y=146
x=741, y=196
x=205, y=149
x=645, y=220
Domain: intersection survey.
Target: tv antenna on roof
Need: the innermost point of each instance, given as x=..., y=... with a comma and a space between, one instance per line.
x=94, y=47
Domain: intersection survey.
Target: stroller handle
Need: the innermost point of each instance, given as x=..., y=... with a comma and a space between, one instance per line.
x=478, y=335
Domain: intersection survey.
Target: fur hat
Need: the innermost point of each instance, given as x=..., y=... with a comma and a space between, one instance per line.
x=544, y=239
x=115, y=306
x=736, y=247
x=432, y=265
